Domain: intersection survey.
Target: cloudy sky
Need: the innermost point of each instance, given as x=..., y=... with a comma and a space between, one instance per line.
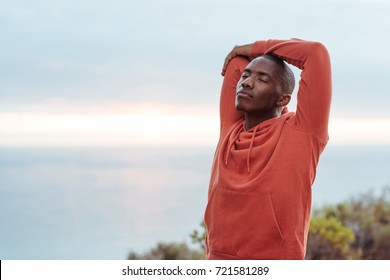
x=120, y=72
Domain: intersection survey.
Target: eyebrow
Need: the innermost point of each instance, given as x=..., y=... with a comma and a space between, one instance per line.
x=261, y=73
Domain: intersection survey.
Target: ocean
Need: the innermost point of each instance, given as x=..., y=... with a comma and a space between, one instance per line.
x=102, y=203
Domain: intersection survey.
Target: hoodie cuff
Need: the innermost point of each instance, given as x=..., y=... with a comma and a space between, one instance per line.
x=259, y=48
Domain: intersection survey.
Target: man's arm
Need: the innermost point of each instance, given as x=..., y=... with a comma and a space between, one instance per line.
x=315, y=86
x=232, y=73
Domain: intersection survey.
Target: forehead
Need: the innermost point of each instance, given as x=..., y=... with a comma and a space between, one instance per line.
x=262, y=65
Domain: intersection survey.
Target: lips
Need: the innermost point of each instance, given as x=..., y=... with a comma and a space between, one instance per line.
x=244, y=93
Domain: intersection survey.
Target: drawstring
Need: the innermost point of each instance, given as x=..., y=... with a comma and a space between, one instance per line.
x=248, y=159
x=233, y=141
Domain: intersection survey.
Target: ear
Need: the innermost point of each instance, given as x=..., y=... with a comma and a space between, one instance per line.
x=284, y=100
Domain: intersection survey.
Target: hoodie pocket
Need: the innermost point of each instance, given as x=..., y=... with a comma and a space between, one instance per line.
x=243, y=225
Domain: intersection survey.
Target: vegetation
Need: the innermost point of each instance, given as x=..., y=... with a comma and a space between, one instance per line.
x=199, y=238
x=328, y=239
x=355, y=229
x=368, y=216
x=169, y=251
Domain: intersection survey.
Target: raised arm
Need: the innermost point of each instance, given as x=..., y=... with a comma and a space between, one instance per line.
x=232, y=73
x=315, y=85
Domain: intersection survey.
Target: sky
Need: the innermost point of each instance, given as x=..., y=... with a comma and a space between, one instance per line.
x=120, y=72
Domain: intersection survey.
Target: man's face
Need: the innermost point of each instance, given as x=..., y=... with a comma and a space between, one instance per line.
x=258, y=88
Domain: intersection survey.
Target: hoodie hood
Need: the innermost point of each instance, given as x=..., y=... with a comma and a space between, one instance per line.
x=243, y=145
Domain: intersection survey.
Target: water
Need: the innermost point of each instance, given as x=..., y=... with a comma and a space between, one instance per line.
x=349, y=171
x=100, y=203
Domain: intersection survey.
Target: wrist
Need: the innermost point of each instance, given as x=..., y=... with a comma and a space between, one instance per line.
x=258, y=48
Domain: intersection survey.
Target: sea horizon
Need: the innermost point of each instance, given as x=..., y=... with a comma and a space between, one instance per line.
x=103, y=202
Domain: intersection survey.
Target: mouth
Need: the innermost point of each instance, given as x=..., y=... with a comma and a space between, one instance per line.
x=244, y=93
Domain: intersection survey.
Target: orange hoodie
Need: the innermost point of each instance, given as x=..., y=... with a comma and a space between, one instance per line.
x=259, y=197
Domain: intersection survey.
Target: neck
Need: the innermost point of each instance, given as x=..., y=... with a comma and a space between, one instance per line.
x=253, y=119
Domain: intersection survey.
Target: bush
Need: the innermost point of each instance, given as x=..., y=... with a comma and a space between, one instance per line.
x=169, y=251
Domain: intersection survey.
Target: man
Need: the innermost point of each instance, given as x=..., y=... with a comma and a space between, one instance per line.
x=265, y=163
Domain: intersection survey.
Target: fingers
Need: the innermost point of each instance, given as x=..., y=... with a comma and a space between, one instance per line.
x=242, y=50
x=230, y=56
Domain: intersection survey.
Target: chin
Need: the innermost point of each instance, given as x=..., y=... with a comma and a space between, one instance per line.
x=240, y=107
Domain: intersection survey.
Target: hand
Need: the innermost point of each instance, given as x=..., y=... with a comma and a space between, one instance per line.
x=243, y=50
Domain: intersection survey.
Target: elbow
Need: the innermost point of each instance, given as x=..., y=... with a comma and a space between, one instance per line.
x=317, y=56
x=318, y=50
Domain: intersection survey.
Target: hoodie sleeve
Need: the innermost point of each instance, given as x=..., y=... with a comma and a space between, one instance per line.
x=315, y=85
x=228, y=113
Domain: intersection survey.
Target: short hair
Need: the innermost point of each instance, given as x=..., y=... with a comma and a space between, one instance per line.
x=286, y=74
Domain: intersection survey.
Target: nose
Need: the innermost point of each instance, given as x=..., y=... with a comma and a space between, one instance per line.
x=247, y=82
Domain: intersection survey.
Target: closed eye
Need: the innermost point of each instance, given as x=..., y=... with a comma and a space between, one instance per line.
x=245, y=74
